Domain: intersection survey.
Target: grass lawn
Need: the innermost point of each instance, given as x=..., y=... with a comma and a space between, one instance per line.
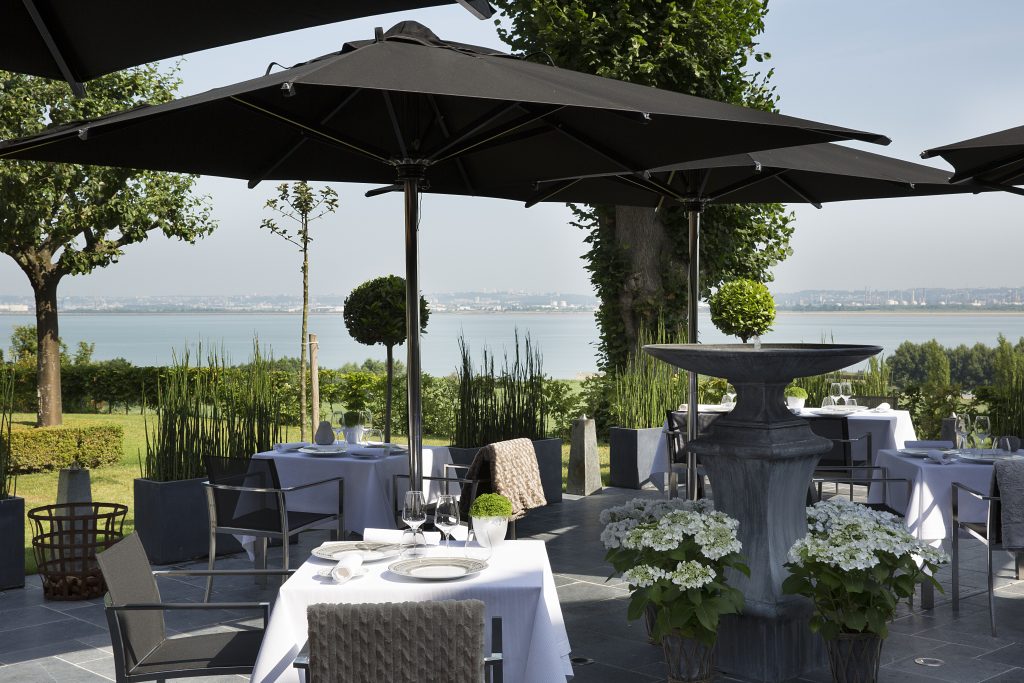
x=113, y=483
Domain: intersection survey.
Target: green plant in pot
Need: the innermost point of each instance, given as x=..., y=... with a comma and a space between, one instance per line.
x=355, y=395
x=674, y=556
x=490, y=513
x=743, y=308
x=856, y=564
x=796, y=397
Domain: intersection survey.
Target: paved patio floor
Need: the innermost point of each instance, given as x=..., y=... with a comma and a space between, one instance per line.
x=68, y=642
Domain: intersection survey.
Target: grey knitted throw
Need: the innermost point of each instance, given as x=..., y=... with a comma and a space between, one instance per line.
x=509, y=468
x=407, y=642
x=1009, y=486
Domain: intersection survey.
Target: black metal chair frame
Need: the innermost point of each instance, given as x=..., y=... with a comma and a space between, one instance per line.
x=847, y=466
x=264, y=536
x=885, y=480
x=118, y=637
x=983, y=534
x=493, y=663
x=675, y=445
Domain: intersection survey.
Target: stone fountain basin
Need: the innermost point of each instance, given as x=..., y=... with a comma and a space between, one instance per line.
x=769, y=363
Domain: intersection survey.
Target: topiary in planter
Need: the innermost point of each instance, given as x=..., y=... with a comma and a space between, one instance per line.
x=491, y=505
x=743, y=308
x=795, y=392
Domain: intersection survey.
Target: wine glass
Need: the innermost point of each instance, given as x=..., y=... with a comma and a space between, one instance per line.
x=982, y=428
x=373, y=436
x=835, y=390
x=827, y=402
x=414, y=514
x=446, y=517
x=963, y=430
x=846, y=391
x=730, y=391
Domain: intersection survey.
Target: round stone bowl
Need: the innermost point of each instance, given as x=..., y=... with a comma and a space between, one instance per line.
x=769, y=363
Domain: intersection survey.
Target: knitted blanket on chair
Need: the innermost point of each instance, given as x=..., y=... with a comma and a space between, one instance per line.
x=510, y=468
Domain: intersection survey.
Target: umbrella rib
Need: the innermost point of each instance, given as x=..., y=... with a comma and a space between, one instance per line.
x=51, y=45
x=439, y=118
x=1000, y=186
x=292, y=149
x=745, y=183
x=988, y=167
x=800, y=192
x=490, y=136
x=653, y=186
x=581, y=139
x=545, y=195
x=315, y=131
x=394, y=124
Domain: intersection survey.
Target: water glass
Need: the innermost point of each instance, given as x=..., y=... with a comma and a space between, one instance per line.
x=730, y=391
x=982, y=428
x=963, y=431
x=474, y=549
x=835, y=391
x=373, y=437
x=446, y=517
x=828, y=402
x=414, y=514
x=846, y=391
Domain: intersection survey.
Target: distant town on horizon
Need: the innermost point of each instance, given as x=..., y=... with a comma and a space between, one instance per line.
x=482, y=301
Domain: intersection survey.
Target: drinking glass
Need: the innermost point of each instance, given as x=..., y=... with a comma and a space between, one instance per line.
x=846, y=391
x=446, y=517
x=414, y=514
x=836, y=392
x=827, y=401
x=366, y=418
x=730, y=391
x=982, y=428
x=373, y=436
x=726, y=400
x=474, y=549
x=963, y=430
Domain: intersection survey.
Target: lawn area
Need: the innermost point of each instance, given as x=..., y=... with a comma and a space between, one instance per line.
x=113, y=483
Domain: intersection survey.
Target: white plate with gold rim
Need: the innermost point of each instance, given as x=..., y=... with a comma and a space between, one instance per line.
x=438, y=568
x=370, y=551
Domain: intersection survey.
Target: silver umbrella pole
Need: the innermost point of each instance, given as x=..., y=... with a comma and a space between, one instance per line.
x=693, y=295
x=411, y=177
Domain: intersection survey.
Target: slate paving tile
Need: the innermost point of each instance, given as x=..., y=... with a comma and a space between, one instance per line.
x=1011, y=676
x=104, y=666
x=955, y=668
x=27, y=616
x=603, y=673
x=581, y=591
x=57, y=631
x=625, y=653
x=900, y=646
x=1009, y=654
x=69, y=650
x=47, y=670
x=93, y=614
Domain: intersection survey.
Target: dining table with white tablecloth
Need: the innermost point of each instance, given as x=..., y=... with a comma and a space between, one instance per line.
x=517, y=585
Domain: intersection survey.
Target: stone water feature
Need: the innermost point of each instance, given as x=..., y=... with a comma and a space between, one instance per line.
x=760, y=458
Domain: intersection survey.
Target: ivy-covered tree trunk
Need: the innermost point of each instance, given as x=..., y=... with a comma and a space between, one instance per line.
x=303, y=359
x=387, y=394
x=49, y=407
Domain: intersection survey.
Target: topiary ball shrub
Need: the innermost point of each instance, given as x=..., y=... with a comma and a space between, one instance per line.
x=795, y=392
x=743, y=308
x=491, y=505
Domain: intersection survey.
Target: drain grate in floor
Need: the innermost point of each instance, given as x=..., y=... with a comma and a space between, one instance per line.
x=928, y=661
x=581, y=661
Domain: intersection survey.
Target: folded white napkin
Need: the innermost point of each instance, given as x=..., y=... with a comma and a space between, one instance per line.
x=881, y=408
x=292, y=446
x=347, y=567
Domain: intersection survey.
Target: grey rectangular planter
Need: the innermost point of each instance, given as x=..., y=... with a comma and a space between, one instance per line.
x=549, y=461
x=12, y=543
x=172, y=521
x=631, y=455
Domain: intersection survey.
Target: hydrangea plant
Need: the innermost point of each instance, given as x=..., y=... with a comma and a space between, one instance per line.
x=491, y=505
x=742, y=308
x=673, y=554
x=856, y=564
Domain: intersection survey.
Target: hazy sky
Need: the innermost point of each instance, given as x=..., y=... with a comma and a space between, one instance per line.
x=924, y=72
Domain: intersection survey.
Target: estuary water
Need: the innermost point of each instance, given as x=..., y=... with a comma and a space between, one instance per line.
x=568, y=341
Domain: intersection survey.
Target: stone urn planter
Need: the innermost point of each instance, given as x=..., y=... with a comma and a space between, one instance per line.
x=760, y=459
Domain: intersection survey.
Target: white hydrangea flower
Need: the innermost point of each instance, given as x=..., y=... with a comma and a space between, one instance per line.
x=692, y=574
x=644, y=575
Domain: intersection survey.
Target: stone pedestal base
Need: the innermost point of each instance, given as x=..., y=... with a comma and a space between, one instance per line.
x=761, y=649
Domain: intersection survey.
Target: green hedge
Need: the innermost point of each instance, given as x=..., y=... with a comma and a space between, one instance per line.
x=47, y=449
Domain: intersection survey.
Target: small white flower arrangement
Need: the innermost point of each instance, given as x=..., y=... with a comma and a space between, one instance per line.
x=673, y=554
x=856, y=564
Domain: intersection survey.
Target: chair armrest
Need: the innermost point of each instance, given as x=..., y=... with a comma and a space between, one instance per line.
x=449, y=466
x=152, y=606
x=301, y=660
x=321, y=482
x=967, y=489
x=263, y=489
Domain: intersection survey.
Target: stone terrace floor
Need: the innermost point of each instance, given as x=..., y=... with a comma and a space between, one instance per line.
x=68, y=642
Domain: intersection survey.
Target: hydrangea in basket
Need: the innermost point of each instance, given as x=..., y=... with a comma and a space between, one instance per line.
x=673, y=554
x=856, y=564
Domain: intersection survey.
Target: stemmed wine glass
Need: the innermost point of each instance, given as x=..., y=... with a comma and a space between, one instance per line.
x=730, y=391
x=446, y=517
x=414, y=514
x=982, y=428
x=963, y=430
x=846, y=391
x=836, y=392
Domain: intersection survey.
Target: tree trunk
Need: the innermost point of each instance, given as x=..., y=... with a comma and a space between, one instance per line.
x=642, y=234
x=48, y=354
x=305, y=321
x=387, y=397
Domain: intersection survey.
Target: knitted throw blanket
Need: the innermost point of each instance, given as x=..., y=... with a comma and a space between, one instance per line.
x=407, y=642
x=1009, y=486
x=510, y=468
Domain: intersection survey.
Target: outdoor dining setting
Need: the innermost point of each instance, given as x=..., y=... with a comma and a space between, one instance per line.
x=755, y=510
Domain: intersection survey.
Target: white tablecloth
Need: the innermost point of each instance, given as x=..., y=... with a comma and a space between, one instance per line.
x=929, y=510
x=517, y=586
x=368, y=501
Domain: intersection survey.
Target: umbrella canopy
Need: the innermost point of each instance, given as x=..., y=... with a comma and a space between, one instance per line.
x=78, y=40
x=411, y=108
x=995, y=160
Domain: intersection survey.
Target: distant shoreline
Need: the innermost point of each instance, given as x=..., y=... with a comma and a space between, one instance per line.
x=31, y=312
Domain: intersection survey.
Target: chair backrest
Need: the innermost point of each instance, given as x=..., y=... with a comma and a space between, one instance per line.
x=837, y=429
x=130, y=580
x=676, y=421
x=509, y=468
x=1008, y=489
x=875, y=401
x=928, y=444
x=408, y=642
x=248, y=509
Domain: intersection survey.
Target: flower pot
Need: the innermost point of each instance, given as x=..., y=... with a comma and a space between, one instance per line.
x=650, y=614
x=12, y=542
x=688, y=660
x=173, y=523
x=854, y=657
x=490, y=531
x=631, y=455
x=795, y=403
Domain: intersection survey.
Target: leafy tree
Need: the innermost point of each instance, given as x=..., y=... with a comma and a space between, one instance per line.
x=745, y=309
x=66, y=219
x=302, y=204
x=936, y=365
x=375, y=314
x=637, y=257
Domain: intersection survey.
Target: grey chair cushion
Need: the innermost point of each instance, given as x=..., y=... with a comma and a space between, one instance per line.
x=1008, y=486
x=129, y=579
x=409, y=642
x=235, y=650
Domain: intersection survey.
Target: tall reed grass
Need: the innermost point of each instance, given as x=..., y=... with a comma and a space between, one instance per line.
x=8, y=480
x=646, y=387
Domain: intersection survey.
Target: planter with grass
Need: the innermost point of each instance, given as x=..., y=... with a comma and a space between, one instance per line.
x=489, y=516
x=796, y=397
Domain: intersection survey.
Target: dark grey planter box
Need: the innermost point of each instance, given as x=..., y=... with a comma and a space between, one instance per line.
x=172, y=521
x=12, y=543
x=631, y=455
x=549, y=461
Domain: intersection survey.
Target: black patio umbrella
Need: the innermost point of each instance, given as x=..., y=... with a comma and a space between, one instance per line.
x=78, y=40
x=995, y=160
x=810, y=174
x=419, y=113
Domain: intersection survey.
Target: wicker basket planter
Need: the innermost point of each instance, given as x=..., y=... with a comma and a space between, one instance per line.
x=854, y=657
x=66, y=540
x=688, y=660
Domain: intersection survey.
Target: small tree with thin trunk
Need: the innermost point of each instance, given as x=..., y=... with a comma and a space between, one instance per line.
x=302, y=204
x=375, y=314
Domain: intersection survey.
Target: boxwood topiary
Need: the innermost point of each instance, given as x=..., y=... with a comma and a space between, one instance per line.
x=795, y=392
x=743, y=308
x=491, y=505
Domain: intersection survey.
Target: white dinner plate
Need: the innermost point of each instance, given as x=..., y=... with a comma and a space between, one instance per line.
x=923, y=452
x=438, y=568
x=333, y=449
x=988, y=458
x=838, y=410
x=716, y=409
x=368, y=550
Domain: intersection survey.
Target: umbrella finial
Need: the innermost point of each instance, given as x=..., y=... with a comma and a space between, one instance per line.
x=378, y=34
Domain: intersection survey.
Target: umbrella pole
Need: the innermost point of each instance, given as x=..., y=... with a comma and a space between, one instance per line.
x=411, y=176
x=693, y=295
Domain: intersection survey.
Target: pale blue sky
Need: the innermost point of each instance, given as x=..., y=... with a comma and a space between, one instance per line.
x=924, y=72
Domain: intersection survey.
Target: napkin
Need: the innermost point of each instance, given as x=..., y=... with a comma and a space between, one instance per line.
x=293, y=446
x=941, y=457
x=347, y=567
x=881, y=408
